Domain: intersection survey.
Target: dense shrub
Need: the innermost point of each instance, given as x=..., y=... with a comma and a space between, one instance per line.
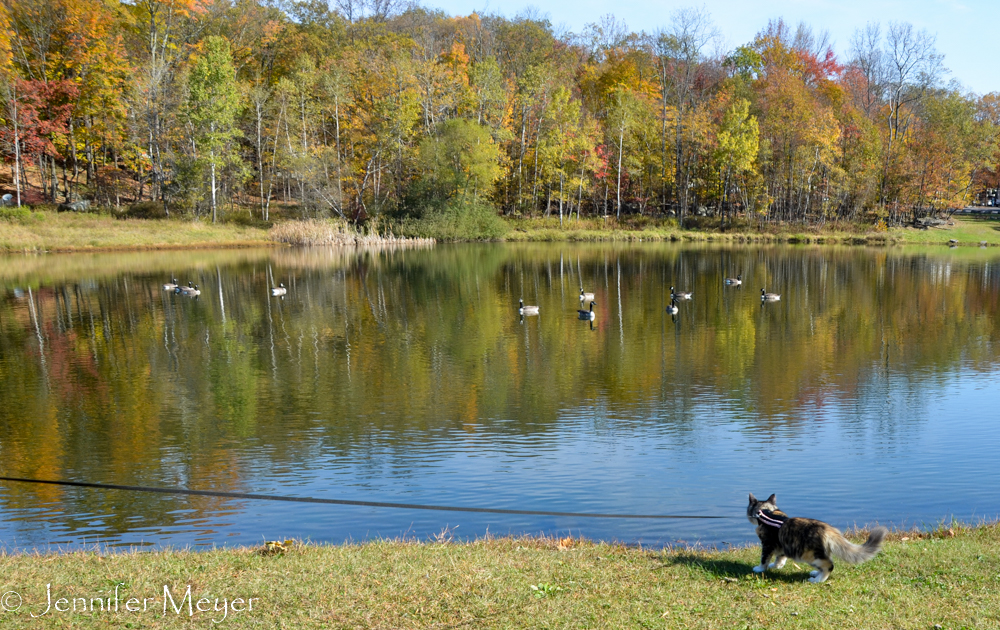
x=456, y=222
x=245, y=219
x=145, y=210
x=21, y=216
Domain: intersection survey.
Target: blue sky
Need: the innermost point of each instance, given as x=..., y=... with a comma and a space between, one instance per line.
x=968, y=31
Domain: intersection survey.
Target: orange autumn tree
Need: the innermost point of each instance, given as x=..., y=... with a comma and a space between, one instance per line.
x=798, y=127
x=337, y=103
x=950, y=144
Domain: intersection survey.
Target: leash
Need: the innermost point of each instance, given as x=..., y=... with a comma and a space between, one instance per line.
x=379, y=504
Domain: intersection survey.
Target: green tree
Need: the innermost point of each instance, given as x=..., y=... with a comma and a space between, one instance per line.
x=213, y=104
x=461, y=159
x=624, y=111
x=563, y=145
x=738, y=144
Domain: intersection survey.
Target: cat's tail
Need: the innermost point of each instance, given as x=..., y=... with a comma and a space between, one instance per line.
x=840, y=547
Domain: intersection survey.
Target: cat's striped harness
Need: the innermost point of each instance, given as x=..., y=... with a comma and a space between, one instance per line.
x=768, y=519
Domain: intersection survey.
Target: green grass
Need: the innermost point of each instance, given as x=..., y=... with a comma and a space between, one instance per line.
x=916, y=582
x=967, y=230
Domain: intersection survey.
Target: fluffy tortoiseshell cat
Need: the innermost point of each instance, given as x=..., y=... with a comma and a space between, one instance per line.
x=805, y=540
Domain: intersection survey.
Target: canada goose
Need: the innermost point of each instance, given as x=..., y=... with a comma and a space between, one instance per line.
x=171, y=286
x=279, y=290
x=672, y=309
x=591, y=315
x=737, y=281
x=769, y=297
x=189, y=290
x=586, y=296
x=679, y=295
x=183, y=289
x=527, y=310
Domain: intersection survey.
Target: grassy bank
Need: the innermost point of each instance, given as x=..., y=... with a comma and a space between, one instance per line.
x=949, y=578
x=26, y=231
x=967, y=231
x=68, y=231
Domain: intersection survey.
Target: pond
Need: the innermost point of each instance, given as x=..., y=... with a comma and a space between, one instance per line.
x=866, y=394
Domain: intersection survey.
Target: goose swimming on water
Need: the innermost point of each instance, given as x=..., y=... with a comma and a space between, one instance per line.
x=591, y=315
x=279, y=290
x=586, y=296
x=672, y=309
x=679, y=295
x=527, y=310
x=191, y=290
x=171, y=286
x=735, y=282
x=769, y=297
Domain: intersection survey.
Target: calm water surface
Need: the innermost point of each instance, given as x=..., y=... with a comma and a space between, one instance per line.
x=868, y=393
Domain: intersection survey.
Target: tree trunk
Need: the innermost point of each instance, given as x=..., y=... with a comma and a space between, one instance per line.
x=340, y=178
x=579, y=198
x=621, y=142
x=520, y=162
x=260, y=159
x=213, y=187
x=678, y=181
x=17, y=150
x=534, y=174
x=55, y=181
x=41, y=176
x=560, y=199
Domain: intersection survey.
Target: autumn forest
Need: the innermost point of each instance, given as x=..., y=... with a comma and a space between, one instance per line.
x=377, y=110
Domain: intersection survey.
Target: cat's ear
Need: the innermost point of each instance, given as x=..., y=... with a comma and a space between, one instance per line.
x=753, y=499
x=771, y=500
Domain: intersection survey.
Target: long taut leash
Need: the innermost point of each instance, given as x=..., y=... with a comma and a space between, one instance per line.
x=377, y=504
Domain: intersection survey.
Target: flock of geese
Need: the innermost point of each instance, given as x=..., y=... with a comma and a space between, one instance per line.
x=192, y=290
x=588, y=315
x=673, y=309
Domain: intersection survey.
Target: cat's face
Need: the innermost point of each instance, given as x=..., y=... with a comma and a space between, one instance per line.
x=756, y=506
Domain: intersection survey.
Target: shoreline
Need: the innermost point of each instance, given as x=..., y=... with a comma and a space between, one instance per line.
x=68, y=233
x=510, y=582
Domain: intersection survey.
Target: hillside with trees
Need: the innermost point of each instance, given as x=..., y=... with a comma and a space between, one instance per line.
x=383, y=111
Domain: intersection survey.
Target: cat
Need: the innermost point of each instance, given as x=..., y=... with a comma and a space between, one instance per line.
x=805, y=540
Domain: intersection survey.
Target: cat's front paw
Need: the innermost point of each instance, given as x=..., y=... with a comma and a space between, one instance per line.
x=814, y=573
x=760, y=568
x=816, y=579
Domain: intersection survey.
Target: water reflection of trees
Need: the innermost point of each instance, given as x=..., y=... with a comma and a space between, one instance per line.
x=107, y=377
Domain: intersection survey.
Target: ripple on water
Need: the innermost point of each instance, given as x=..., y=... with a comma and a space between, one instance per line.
x=414, y=382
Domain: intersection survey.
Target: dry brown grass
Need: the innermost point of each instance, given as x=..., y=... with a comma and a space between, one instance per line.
x=331, y=232
x=70, y=231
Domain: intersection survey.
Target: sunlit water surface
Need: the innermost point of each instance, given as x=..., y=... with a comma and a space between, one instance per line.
x=867, y=393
